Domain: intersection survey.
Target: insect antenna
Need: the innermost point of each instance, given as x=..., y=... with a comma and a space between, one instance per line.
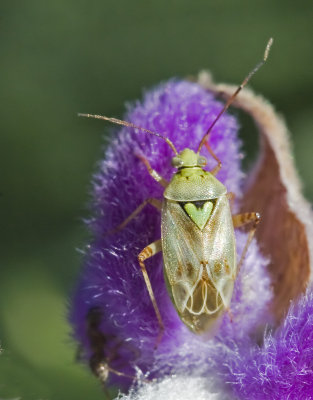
x=232, y=98
x=131, y=125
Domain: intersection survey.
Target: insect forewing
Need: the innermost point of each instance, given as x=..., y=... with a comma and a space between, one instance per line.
x=199, y=264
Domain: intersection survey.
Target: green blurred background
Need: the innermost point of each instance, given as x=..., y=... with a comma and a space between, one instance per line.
x=63, y=57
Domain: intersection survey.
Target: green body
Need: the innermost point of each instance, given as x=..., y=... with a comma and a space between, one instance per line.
x=198, y=244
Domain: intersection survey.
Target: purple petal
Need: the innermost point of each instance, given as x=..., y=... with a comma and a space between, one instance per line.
x=283, y=367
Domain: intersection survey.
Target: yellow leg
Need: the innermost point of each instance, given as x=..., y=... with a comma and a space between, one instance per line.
x=103, y=369
x=231, y=197
x=155, y=175
x=154, y=202
x=146, y=253
x=240, y=220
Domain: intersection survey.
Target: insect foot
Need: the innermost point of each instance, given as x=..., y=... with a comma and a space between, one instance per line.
x=146, y=253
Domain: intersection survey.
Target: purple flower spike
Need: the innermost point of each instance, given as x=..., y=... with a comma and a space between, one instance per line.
x=283, y=367
x=112, y=314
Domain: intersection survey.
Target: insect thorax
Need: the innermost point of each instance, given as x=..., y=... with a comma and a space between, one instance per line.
x=194, y=184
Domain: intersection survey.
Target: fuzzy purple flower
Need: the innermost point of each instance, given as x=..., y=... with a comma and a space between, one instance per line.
x=112, y=315
x=282, y=368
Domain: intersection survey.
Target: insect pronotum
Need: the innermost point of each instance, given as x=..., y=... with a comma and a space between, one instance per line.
x=195, y=216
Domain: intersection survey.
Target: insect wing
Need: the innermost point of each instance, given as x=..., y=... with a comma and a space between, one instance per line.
x=220, y=250
x=199, y=264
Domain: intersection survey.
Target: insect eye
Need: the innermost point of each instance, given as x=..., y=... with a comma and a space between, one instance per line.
x=177, y=162
x=202, y=161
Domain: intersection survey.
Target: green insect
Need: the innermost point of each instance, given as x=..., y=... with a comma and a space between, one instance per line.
x=197, y=226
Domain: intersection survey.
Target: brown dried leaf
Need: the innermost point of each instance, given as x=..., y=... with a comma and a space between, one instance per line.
x=274, y=190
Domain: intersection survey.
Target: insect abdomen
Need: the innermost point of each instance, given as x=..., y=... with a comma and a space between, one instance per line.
x=199, y=264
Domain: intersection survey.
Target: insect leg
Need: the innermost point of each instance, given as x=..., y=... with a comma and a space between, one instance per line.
x=240, y=220
x=215, y=170
x=155, y=175
x=230, y=314
x=103, y=369
x=231, y=197
x=154, y=202
x=146, y=253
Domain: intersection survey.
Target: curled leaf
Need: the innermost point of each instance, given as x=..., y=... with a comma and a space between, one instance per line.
x=274, y=190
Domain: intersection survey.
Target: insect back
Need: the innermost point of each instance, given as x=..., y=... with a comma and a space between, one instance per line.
x=198, y=244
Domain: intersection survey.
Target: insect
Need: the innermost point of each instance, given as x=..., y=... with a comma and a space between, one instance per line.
x=197, y=231
x=102, y=356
